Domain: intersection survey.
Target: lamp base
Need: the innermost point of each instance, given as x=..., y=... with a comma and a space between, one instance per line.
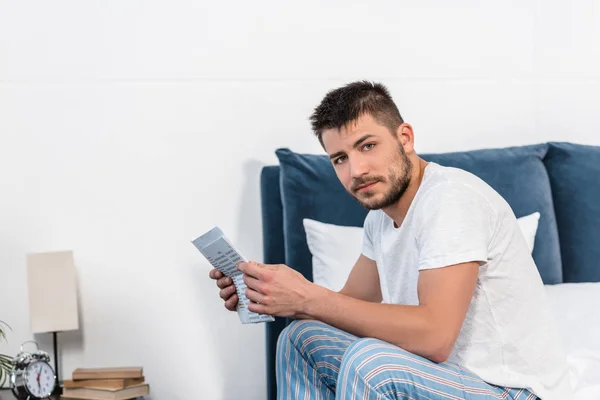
x=57, y=388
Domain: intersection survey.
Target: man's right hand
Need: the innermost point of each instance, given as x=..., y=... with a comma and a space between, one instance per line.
x=227, y=287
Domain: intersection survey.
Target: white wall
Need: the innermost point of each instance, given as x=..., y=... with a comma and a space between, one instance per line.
x=128, y=128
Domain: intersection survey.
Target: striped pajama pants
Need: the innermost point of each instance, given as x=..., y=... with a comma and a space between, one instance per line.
x=318, y=361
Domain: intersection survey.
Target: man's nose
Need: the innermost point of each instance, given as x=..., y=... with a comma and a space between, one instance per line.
x=358, y=167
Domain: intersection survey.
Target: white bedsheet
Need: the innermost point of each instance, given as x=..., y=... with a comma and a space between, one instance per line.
x=585, y=368
x=576, y=307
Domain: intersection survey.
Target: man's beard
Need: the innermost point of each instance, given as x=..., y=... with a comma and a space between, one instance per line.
x=398, y=179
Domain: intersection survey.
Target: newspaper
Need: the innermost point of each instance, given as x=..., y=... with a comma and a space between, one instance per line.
x=221, y=254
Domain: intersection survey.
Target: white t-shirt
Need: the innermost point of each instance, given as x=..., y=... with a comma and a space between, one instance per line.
x=509, y=337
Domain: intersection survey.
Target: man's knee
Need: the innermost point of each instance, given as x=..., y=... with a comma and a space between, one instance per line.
x=297, y=335
x=362, y=352
x=374, y=362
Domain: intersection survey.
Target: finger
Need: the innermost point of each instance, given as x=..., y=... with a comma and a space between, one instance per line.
x=256, y=297
x=224, y=282
x=231, y=303
x=254, y=283
x=215, y=274
x=250, y=268
x=227, y=292
x=258, y=308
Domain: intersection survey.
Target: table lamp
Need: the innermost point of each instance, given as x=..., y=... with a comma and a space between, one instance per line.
x=52, y=297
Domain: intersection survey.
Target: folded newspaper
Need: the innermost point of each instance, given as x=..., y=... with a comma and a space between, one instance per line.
x=221, y=254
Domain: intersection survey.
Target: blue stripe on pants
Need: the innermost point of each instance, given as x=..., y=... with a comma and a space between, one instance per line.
x=320, y=362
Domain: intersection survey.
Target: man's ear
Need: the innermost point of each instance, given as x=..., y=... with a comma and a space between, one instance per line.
x=406, y=136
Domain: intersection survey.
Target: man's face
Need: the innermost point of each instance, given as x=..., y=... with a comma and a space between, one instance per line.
x=369, y=161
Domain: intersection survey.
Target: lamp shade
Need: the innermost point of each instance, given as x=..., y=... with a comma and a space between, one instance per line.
x=52, y=292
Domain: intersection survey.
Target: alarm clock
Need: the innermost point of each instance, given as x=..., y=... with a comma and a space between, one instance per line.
x=32, y=377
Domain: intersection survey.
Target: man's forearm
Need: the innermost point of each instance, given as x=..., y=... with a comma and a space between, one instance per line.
x=412, y=328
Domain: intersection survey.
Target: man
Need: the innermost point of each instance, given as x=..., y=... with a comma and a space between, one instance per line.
x=445, y=301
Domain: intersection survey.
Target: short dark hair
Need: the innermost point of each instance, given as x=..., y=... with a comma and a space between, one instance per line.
x=347, y=103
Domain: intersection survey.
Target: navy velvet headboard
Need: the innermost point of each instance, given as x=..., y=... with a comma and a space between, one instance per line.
x=531, y=178
x=273, y=253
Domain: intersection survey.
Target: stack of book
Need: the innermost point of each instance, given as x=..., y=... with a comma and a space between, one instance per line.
x=120, y=383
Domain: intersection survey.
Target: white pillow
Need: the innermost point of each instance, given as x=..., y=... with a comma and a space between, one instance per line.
x=336, y=248
x=529, y=226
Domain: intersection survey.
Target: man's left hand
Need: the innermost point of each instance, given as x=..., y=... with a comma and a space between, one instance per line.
x=276, y=289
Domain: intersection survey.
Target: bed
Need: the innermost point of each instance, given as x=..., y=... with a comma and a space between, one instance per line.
x=557, y=180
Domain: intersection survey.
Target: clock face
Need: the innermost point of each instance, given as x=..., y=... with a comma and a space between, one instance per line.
x=39, y=379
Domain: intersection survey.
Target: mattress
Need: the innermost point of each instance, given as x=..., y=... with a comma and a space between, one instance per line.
x=576, y=309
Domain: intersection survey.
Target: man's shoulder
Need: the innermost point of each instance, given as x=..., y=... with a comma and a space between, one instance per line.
x=451, y=182
x=441, y=174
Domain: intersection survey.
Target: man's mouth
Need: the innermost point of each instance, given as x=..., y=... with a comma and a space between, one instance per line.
x=366, y=186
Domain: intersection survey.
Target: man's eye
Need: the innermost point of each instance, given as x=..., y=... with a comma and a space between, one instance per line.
x=369, y=146
x=340, y=159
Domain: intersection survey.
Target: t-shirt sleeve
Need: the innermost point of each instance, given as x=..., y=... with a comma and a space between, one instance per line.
x=367, y=247
x=453, y=226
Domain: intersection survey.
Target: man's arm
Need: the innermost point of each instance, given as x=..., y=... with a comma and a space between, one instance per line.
x=363, y=281
x=429, y=329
